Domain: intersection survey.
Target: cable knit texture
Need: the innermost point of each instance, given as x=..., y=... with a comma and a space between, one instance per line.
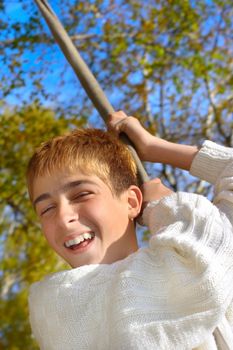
x=171, y=295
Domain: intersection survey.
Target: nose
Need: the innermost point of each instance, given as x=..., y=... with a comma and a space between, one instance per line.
x=67, y=214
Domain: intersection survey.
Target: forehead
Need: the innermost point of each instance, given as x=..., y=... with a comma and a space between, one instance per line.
x=62, y=181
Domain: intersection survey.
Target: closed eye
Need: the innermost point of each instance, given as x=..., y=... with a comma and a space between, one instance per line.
x=46, y=210
x=81, y=195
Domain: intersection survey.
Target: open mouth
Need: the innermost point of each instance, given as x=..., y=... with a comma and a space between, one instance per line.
x=80, y=241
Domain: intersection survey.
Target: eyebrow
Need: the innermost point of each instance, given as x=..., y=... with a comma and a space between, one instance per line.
x=67, y=187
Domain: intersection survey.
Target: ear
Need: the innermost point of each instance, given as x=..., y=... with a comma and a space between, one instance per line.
x=134, y=201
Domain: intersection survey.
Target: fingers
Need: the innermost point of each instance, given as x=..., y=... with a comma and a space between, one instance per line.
x=118, y=115
x=155, y=190
x=152, y=190
x=117, y=121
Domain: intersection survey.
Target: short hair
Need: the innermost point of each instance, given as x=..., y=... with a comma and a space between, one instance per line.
x=92, y=151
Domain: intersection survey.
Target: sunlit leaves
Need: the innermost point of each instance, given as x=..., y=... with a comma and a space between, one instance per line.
x=24, y=255
x=168, y=62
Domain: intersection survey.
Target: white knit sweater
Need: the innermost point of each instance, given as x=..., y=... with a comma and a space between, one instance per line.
x=171, y=295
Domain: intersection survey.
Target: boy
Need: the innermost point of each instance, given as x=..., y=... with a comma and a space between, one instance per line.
x=173, y=294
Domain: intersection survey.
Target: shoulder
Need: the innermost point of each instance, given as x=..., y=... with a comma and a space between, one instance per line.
x=179, y=206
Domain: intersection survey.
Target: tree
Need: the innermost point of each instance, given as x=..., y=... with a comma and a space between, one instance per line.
x=24, y=255
x=167, y=62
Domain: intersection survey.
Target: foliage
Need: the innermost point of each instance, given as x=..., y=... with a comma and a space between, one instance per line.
x=167, y=62
x=24, y=255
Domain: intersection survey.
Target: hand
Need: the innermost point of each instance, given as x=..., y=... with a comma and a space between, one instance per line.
x=151, y=148
x=120, y=122
x=154, y=190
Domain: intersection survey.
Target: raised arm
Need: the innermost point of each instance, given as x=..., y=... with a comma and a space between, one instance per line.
x=151, y=148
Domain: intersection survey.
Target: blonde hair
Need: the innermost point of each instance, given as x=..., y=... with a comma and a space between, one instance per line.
x=92, y=151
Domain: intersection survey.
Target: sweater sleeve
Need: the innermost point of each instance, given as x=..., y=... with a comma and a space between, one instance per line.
x=194, y=241
x=214, y=164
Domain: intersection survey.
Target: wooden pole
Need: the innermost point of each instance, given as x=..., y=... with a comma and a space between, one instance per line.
x=85, y=76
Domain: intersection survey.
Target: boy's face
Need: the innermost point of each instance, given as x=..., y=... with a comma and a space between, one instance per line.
x=83, y=221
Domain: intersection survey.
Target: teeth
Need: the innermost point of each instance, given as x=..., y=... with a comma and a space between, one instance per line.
x=78, y=239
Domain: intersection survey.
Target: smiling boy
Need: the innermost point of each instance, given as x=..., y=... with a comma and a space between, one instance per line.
x=171, y=295
x=74, y=214
x=79, y=211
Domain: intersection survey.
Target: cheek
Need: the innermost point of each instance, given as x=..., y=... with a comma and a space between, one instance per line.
x=49, y=233
x=95, y=213
x=112, y=216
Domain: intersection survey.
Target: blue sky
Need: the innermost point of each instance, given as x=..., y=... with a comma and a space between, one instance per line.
x=16, y=13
